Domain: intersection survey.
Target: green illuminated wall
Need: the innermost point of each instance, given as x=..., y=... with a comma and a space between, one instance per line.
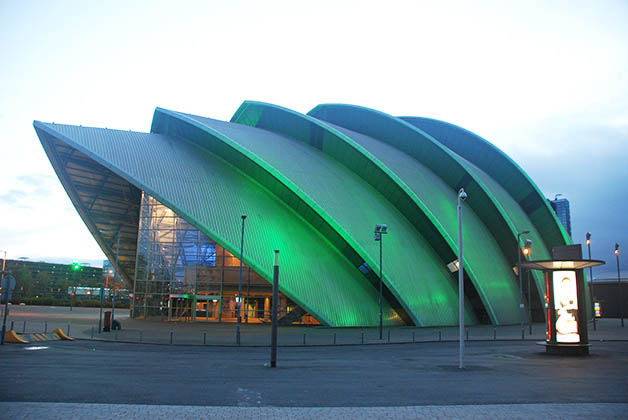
x=314, y=186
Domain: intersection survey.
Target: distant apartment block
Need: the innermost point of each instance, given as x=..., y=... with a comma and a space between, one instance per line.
x=561, y=208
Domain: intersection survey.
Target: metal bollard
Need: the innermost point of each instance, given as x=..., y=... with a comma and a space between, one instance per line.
x=45, y=327
x=115, y=336
x=522, y=333
x=171, y=334
x=68, y=328
x=141, y=335
x=92, y=332
x=334, y=338
x=12, y=325
x=362, y=337
x=204, y=338
x=468, y=334
x=304, y=339
x=389, y=336
x=413, y=337
x=494, y=334
x=440, y=335
x=24, y=327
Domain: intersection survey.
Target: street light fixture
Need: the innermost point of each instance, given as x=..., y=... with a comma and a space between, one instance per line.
x=621, y=300
x=527, y=249
x=113, y=289
x=75, y=267
x=240, y=284
x=588, y=242
x=462, y=195
x=379, y=231
x=6, y=303
x=519, y=251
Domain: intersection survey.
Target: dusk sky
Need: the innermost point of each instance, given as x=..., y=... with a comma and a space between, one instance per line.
x=546, y=82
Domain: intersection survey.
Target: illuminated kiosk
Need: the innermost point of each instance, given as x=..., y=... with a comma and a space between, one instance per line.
x=566, y=314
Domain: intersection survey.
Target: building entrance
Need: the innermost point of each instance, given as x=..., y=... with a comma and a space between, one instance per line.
x=182, y=272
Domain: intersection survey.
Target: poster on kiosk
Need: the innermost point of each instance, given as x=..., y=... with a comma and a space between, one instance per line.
x=566, y=306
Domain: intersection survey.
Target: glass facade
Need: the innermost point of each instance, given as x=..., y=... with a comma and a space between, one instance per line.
x=182, y=274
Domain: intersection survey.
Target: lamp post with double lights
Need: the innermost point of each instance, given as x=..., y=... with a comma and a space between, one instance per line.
x=519, y=251
x=462, y=195
x=379, y=231
x=588, y=242
x=621, y=299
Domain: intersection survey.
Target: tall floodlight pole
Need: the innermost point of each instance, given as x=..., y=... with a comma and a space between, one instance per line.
x=621, y=299
x=521, y=305
x=461, y=197
x=379, y=231
x=240, y=285
x=273, y=316
x=588, y=241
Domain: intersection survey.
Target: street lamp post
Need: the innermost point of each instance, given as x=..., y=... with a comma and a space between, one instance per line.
x=521, y=305
x=115, y=278
x=379, y=231
x=462, y=195
x=6, y=303
x=621, y=299
x=526, y=251
x=240, y=285
x=588, y=241
x=75, y=267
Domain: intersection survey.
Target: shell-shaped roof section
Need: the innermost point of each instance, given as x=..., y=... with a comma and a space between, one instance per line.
x=211, y=194
x=425, y=291
x=502, y=169
x=314, y=186
x=488, y=269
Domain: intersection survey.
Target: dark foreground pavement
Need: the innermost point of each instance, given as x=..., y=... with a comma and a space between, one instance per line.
x=401, y=375
x=507, y=378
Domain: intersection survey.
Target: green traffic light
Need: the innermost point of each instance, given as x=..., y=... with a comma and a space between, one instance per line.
x=75, y=265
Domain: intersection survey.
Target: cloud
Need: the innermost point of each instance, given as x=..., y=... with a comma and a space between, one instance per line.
x=34, y=179
x=584, y=161
x=12, y=196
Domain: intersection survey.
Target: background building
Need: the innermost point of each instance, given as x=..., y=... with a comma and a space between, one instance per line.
x=561, y=207
x=168, y=205
x=42, y=281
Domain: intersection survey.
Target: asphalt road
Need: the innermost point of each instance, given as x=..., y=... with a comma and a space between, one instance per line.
x=368, y=376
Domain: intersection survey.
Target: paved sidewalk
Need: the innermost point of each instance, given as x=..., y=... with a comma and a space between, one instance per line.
x=83, y=324
x=54, y=411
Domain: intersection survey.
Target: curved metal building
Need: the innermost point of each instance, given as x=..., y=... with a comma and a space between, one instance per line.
x=313, y=186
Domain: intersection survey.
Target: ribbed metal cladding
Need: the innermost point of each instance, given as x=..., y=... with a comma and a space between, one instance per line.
x=313, y=186
x=499, y=211
x=324, y=185
x=501, y=168
x=422, y=147
x=507, y=182
x=414, y=272
x=212, y=194
x=487, y=267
